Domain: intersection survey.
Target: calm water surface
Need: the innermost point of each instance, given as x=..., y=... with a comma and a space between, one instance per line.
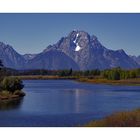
x=67, y=103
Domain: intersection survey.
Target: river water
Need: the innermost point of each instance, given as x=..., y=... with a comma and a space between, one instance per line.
x=67, y=103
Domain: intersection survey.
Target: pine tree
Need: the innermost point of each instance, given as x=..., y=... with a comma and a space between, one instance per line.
x=1, y=64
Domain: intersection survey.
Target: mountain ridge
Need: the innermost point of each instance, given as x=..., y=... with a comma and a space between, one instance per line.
x=78, y=50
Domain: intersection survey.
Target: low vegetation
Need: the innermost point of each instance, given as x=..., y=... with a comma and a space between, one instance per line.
x=133, y=82
x=122, y=119
x=110, y=74
x=10, y=87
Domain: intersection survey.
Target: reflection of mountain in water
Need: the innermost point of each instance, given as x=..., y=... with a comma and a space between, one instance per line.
x=8, y=105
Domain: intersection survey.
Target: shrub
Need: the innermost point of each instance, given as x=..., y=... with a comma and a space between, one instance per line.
x=19, y=92
x=12, y=84
x=5, y=93
x=121, y=119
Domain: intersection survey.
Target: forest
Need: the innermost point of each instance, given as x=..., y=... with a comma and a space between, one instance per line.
x=110, y=74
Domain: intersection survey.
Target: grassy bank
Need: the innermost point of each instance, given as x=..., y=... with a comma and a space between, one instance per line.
x=8, y=96
x=135, y=81
x=122, y=119
x=44, y=77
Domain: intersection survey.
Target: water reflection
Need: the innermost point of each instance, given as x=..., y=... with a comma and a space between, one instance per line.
x=9, y=105
x=67, y=103
x=78, y=98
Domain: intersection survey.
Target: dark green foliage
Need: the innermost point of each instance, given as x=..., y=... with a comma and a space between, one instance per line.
x=1, y=64
x=1, y=74
x=113, y=74
x=95, y=72
x=11, y=84
x=110, y=74
x=65, y=72
x=132, y=74
x=118, y=73
x=62, y=73
x=33, y=72
x=86, y=73
x=70, y=72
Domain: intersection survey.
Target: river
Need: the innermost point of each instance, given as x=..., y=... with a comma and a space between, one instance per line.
x=67, y=103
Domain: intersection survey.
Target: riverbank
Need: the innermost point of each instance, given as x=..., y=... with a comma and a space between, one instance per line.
x=134, y=81
x=6, y=96
x=121, y=119
x=45, y=77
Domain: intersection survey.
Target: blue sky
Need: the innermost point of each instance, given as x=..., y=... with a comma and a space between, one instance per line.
x=31, y=33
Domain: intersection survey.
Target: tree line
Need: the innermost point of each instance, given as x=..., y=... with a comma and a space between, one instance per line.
x=110, y=74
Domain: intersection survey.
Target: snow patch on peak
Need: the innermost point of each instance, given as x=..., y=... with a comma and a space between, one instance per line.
x=77, y=34
x=76, y=38
x=78, y=48
x=75, y=42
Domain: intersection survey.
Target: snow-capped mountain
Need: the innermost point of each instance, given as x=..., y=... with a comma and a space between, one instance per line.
x=89, y=53
x=78, y=50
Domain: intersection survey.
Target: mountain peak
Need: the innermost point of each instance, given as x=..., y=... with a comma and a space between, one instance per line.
x=74, y=33
x=75, y=41
x=78, y=50
x=79, y=40
x=5, y=46
x=10, y=57
x=121, y=51
x=1, y=44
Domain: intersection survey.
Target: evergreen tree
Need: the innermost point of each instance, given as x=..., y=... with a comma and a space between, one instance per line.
x=70, y=72
x=1, y=64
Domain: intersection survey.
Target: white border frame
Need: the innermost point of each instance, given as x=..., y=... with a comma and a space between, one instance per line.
x=69, y=6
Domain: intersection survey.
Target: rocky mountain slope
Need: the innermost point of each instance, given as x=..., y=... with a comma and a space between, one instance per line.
x=136, y=59
x=89, y=53
x=10, y=57
x=78, y=50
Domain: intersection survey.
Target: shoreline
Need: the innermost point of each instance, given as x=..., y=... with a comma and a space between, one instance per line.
x=44, y=77
x=119, y=119
x=129, y=82
x=8, y=98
